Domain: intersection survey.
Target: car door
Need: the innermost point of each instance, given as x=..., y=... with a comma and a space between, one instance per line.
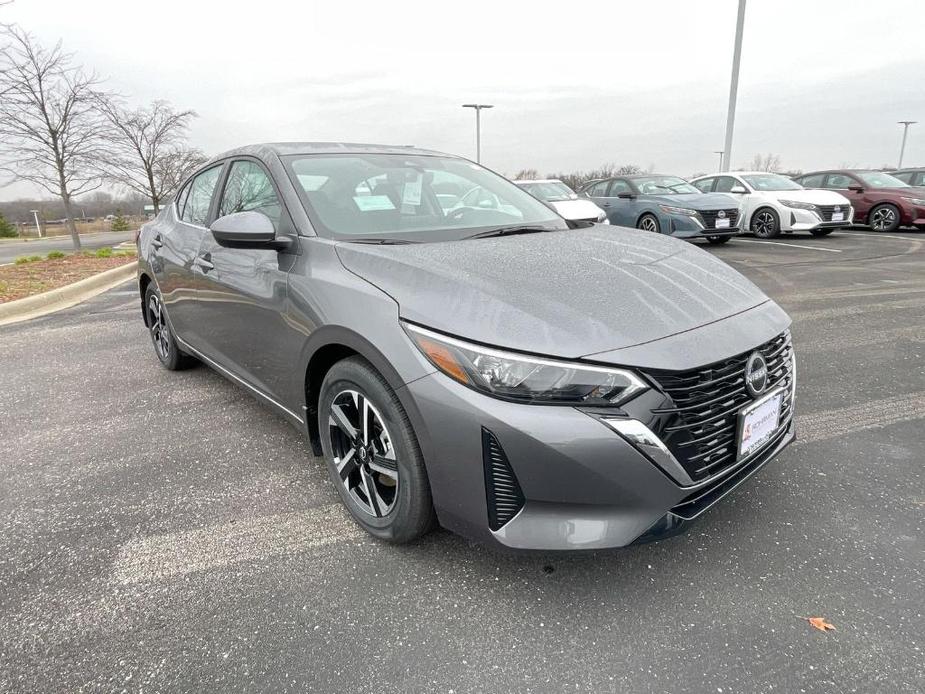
x=843, y=183
x=245, y=292
x=174, y=253
x=621, y=210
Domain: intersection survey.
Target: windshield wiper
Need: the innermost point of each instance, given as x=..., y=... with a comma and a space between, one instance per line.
x=381, y=242
x=510, y=231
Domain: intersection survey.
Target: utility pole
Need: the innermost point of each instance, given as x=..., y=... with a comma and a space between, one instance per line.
x=478, y=127
x=734, y=86
x=720, y=153
x=38, y=227
x=902, y=150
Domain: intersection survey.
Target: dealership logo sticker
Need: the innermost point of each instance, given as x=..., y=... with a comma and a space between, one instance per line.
x=756, y=374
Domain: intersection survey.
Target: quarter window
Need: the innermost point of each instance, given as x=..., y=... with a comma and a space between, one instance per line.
x=249, y=189
x=199, y=199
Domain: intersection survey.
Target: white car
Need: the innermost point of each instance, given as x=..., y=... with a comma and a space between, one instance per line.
x=565, y=201
x=772, y=203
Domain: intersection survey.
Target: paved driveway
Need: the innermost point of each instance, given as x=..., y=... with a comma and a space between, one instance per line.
x=164, y=532
x=11, y=250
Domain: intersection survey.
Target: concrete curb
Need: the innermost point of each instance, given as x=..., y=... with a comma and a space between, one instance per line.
x=66, y=296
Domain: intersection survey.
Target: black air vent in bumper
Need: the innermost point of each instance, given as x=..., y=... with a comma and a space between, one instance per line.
x=504, y=495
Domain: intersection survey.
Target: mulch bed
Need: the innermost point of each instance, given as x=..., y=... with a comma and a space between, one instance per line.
x=20, y=281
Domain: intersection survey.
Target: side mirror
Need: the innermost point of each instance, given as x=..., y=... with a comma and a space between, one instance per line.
x=856, y=189
x=247, y=230
x=626, y=196
x=738, y=189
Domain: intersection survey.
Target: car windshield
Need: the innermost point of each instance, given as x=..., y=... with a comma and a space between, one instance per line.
x=770, y=181
x=876, y=179
x=663, y=185
x=550, y=191
x=410, y=197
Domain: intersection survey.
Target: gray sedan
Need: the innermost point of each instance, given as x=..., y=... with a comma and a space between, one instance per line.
x=492, y=370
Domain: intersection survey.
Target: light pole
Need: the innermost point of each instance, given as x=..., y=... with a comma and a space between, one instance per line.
x=734, y=86
x=720, y=153
x=902, y=150
x=38, y=227
x=478, y=127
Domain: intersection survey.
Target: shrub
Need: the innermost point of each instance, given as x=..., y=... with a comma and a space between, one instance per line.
x=120, y=223
x=22, y=260
x=7, y=230
x=54, y=255
x=34, y=258
x=105, y=252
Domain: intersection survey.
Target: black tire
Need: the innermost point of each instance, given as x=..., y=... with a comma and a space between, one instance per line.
x=718, y=240
x=818, y=233
x=649, y=222
x=884, y=217
x=765, y=223
x=162, y=338
x=407, y=512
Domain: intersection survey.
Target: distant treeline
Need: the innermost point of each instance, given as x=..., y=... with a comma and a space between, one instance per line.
x=93, y=205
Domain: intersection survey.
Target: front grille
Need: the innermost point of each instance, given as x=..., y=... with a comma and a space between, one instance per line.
x=702, y=423
x=827, y=210
x=709, y=218
x=503, y=492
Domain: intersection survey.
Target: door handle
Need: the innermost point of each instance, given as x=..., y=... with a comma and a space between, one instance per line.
x=606, y=204
x=205, y=262
x=156, y=241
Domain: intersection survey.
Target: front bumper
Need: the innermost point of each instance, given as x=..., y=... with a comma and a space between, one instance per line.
x=583, y=485
x=687, y=227
x=806, y=220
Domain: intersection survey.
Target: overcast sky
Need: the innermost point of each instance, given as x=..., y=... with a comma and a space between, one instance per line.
x=575, y=85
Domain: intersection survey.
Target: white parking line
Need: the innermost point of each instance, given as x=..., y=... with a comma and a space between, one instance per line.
x=790, y=245
x=831, y=424
x=882, y=236
x=175, y=554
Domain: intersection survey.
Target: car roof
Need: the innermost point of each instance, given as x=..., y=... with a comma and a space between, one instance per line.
x=288, y=148
x=537, y=180
x=826, y=171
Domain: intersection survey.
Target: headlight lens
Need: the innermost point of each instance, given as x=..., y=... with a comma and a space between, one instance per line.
x=678, y=210
x=522, y=378
x=916, y=201
x=800, y=205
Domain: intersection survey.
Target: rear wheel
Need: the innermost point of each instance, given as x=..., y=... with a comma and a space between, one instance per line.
x=649, y=222
x=884, y=218
x=372, y=454
x=718, y=240
x=165, y=345
x=765, y=223
x=821, y=232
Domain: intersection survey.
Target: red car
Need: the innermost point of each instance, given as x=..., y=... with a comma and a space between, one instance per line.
x=881, y=201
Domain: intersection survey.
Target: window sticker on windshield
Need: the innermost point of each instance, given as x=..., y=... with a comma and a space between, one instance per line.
x=371, y=203
x=411, y=194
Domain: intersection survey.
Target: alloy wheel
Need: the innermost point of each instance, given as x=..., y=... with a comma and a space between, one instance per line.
x=764, y=223
x=883, y=218
x=648, y=224
x=157, y=319
x=363, y=454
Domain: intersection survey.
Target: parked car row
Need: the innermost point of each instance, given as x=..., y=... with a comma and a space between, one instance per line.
x=720, y=206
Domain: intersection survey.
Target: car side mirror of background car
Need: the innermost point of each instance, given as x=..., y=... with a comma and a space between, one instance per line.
x=856, y=189
x=247, y=230
x=626, y=196
x=738, y=189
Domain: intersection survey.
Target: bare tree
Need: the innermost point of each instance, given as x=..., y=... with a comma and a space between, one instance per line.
x=51, y=130
x=150, y=152
x=526, y=175
x=769, y=162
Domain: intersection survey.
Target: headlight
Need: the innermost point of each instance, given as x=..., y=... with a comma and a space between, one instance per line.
x=915, y=201
x=522, y=378
x=800, y=205
x=602, y=218
x=678, y=210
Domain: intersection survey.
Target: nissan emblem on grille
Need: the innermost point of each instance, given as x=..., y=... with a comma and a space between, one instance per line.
x=756, y=374
x=721, y=214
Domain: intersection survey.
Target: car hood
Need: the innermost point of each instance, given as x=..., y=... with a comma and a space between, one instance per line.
x=696, y=201
x=576, y=209
x=565, y=294
x=812, y=196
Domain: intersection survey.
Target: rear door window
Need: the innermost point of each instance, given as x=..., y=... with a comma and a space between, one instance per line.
x=199, y=199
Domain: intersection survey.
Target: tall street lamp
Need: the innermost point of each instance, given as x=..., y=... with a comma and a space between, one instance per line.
x=734, y=85
x=478, y=127
x=720, y=153
x=902, y=150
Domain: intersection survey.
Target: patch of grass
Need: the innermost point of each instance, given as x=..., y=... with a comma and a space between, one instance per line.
x=54, y=255
x=105, y=252
x=124, y=254
x=35, y=258
x=23, y=259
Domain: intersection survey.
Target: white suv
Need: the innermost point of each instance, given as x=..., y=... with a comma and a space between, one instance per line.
x=772, y=203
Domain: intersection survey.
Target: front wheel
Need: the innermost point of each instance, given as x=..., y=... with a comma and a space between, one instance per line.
x=372, y=454
x=821, y=232
x=766, y=223
x=718, y=240
x=649, y=222
x=884, y=218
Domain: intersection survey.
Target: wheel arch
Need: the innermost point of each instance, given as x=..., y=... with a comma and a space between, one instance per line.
x=144, y=279
x=765, y=206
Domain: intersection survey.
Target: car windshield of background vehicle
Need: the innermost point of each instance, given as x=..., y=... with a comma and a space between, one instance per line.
x=771, y=182
x=550, y=191
x=664, y=185
x=411, y=197
x=876, y=179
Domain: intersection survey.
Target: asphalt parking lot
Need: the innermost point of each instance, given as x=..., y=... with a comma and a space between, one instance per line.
x=164, y=531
